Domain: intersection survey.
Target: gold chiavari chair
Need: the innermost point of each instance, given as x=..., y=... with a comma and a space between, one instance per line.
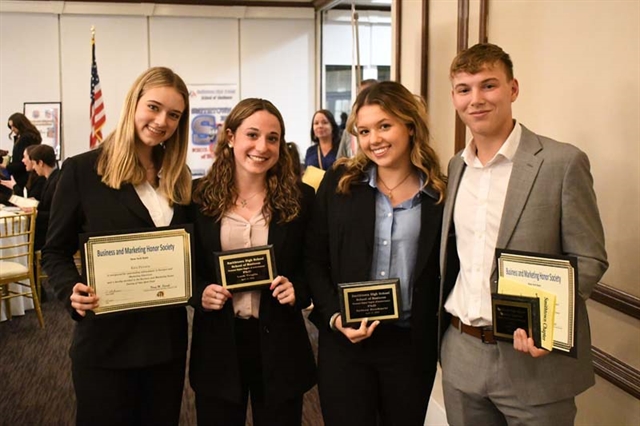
x=17, y=233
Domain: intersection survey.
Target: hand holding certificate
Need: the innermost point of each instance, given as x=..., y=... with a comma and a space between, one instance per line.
x=139, y=270
x=552, y=279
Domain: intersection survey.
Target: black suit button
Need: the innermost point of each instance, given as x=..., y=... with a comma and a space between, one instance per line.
x=265, y=329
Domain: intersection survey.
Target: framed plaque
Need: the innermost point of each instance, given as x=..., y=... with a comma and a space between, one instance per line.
x=513, y=312
x=138, y=270
x=553, y=274
x=378, y=300
x=246, y=269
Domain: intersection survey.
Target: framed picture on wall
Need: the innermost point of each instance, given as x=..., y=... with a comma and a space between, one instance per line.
x=47, y=117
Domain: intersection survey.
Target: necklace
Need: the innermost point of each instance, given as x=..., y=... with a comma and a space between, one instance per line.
x=390, y=190
x=244, y=201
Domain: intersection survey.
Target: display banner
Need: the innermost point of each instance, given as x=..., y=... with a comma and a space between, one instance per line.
x=47, y=117
x=209, y=104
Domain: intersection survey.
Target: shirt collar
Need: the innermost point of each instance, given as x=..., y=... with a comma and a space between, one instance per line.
x=506, y=151
x=371, y=178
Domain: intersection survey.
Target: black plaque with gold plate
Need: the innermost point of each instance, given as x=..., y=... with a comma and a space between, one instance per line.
x=513, y=312
x=378, y=300
x=246, y=269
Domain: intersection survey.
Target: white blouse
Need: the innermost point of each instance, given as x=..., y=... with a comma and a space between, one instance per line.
x=238, y=233
x=156, y=203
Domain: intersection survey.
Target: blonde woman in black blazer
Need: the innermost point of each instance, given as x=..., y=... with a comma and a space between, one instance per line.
x=387, y=200
x=251, y=344
x=127, y=368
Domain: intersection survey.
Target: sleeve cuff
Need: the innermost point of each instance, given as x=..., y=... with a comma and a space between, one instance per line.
x=332, y=321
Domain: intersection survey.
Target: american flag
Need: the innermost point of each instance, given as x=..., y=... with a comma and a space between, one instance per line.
x=98, y=116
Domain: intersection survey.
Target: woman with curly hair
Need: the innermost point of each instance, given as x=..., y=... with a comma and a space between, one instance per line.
x=253, y=343
x=325, y=138
x=376, y=217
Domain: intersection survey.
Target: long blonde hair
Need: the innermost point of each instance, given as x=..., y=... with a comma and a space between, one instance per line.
x=118, y=162
x=411, y=110
x=217, y=192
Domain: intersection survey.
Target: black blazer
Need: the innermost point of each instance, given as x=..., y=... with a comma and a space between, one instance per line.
x=34, y=185
x=16, y=167
x=44, y=208
x=82, y=203
x=287, y=359
x=339, y=248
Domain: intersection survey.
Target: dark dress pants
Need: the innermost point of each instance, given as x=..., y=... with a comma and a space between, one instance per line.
x=214, y=411
x=377, y=381
x=138, y=396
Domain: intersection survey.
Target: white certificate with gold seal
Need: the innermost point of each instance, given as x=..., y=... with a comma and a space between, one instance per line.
x=139, y=270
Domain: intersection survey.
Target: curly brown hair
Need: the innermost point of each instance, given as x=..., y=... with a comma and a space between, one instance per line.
x=217, y=192
x=411, y=110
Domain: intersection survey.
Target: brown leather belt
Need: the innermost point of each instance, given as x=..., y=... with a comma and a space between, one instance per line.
x=482, y=333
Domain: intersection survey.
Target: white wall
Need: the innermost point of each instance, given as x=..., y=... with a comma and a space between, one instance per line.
x=45, y=55
x=279, y=66
x=29, y=64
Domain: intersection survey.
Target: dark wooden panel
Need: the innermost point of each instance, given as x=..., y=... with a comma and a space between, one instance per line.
x=483, y=37
x=261, y=3
x=463, y=43
x=617, y=372
x=617, y=299
x=398, y=20
x=424, y=65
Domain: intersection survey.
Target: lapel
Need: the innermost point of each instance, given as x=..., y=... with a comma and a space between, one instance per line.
x=430, y=220
x=277, y=235
x=364, y=207
x=456, y=169
x=526, y=165
x=129, y=198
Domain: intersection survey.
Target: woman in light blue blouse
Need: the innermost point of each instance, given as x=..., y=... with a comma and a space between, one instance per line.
x=377, y=216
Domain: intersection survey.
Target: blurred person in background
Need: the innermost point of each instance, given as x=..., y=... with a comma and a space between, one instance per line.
x=325, y=135
x=23, y=133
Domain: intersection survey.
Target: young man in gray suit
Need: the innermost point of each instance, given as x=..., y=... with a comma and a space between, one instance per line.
x=510, y=188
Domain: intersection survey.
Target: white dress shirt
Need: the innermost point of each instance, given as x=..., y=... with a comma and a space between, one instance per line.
x=477, y=215
x=156, y=203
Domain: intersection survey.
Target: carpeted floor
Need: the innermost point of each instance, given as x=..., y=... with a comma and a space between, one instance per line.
x=35, y=373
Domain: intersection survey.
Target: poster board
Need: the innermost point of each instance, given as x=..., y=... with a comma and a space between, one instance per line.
x=47, y=117
x=209, y=106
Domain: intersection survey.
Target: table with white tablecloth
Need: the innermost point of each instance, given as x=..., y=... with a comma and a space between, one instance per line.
x=18, y=304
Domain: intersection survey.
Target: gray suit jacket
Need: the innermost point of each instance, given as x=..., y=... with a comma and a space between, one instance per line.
x=551, y=208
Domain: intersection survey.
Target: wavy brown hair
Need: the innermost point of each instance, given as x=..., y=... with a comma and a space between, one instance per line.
x=217, y=192
x=118, y=162
x=24, y=126
x=411, y=110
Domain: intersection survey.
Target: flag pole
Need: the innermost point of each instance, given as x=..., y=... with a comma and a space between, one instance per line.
x=97, y=113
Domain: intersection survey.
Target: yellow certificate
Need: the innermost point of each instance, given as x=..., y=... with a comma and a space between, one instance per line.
x=547, y=306
x=139, y=270
x=551, y=274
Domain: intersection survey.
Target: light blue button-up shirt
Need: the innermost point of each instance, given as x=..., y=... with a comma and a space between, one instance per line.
x=395, y=249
